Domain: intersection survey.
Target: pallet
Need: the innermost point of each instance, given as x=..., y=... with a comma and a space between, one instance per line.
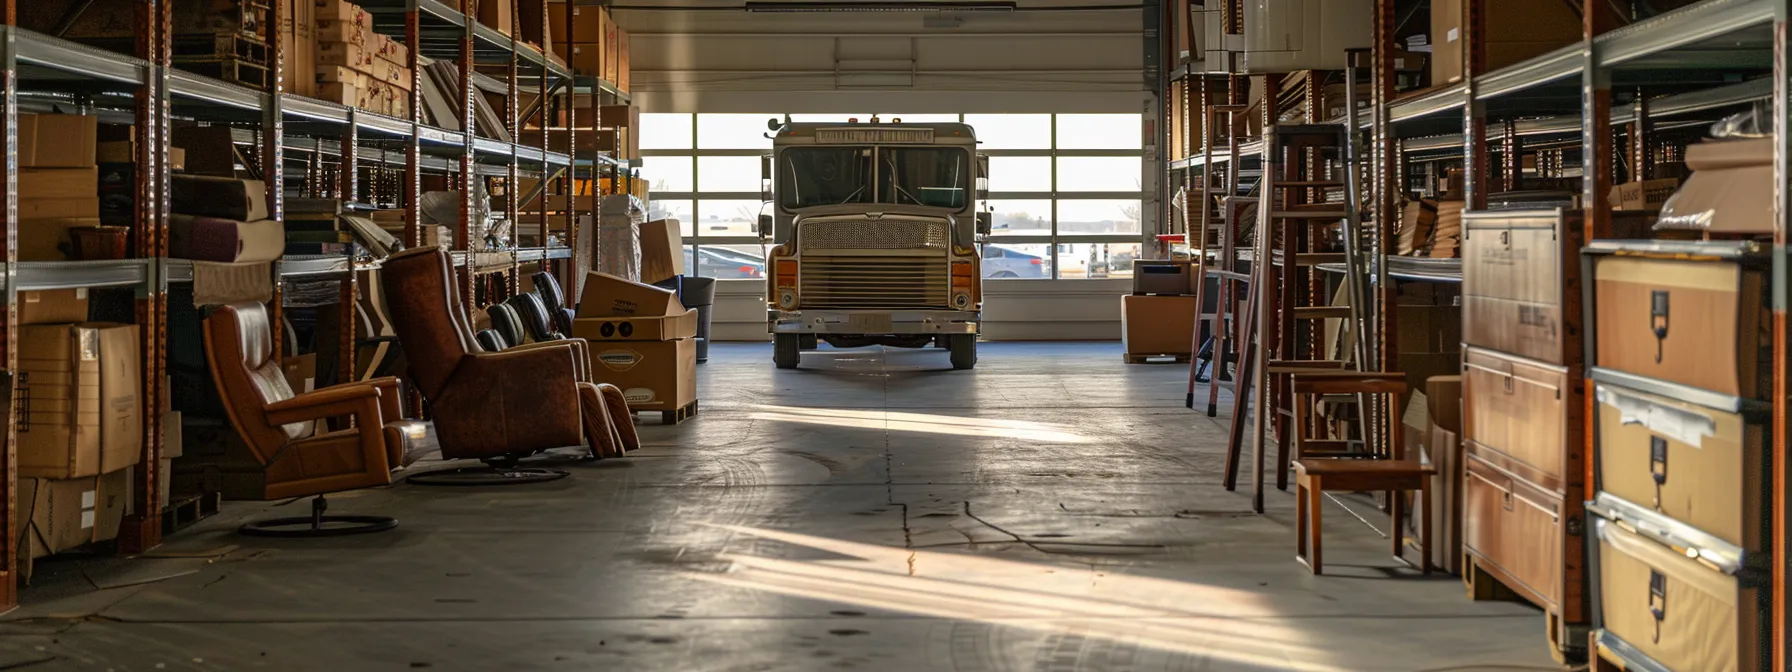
x=1144, y=359
x=675, y=416
x=183, y=513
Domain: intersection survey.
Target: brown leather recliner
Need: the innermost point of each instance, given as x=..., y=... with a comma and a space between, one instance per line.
x=495, y=406
x=280, y=427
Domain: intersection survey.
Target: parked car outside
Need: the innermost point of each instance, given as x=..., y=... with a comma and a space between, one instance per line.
x=1003, y=262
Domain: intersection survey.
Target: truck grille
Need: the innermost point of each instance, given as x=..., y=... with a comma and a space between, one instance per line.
x=874, y=282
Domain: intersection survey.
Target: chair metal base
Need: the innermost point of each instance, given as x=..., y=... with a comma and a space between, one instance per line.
x=317, y=525
x=486, y=476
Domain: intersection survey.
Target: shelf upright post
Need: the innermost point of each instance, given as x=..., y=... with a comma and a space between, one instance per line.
x=273, y=151
x=348, y=190
x=1511, y=156
x=1475, y=165
x=1640, y=130
x=510, y=180
x=1782, y=364
x=413, y=145
x=468, y=180
x=1385, y=191
x=9, y=209
x=143, y=529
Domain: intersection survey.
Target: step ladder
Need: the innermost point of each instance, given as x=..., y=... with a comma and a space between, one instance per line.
x=1213, y=243
x=1297, y=230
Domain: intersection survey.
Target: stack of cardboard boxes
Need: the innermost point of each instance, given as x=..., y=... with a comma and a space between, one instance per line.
x=595, y=45
x=77, y=392
x=357, y=66
x=58, y=182
x=643, y=341
x=1158, y=318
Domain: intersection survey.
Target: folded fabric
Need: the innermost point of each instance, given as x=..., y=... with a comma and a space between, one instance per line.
x=223, y=284
x=225, y=240
x=229, y=198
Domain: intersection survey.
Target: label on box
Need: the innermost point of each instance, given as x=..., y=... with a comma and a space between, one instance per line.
x=620, y=360
x=90, y=344
x=638, y=395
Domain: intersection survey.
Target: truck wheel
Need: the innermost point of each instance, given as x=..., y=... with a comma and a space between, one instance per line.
x=786, y=350
x=964, y=351
x=808, y=341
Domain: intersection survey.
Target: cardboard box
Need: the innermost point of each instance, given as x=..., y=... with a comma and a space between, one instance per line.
x=58, y=208
x=606, y=295
x=298, y=27
x=55, y=306
x=669, y=328
x=1429, y=329
x=1647, y=194
x=341, y=10
x=1515, y=30
x=301, y=372
x=653, y=375
x=44, y=239
x=66, y=514
x=496, y=14
x=602, y=140
x=164, y=483
x=1730, y=190
x=78, y=400
x=662, y=251
x=1157, y=325
x=584, y=59
x=41, y=183
x=587, y=24
x=622, y=60
x=1172, y=277
x=1443, y=396
x=57, y=141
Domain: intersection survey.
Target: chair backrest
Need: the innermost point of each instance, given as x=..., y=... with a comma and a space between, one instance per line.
x=429, y=321
x=239, y=346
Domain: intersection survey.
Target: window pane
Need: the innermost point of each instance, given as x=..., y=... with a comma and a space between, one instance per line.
x=1099, y=173
x=1012, y=131
x=733, y=131
x=1109, y=260
x=1098, y=217
x=1021, y=218
x=727, y=262
x=1020, y=173
x=727, y=218
x=1009, y=261
x=679, y=210
x=668, y=173
x=728, y=173
x=660, y=130
x=1101, y=131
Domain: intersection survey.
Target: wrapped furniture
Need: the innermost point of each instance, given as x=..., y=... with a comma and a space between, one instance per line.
x=282, y=428
x=495, y=406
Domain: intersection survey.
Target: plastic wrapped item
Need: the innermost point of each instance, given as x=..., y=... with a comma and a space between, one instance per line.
x=619, y=236
x=1730, y=190
x=443, y=208
x=1755, y=122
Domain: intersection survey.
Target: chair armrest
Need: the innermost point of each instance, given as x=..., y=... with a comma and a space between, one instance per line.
x=333, y=401
x=580, y=354
x=541, y=363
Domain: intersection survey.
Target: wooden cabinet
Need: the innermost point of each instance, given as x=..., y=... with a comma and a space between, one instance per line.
x=1525, y=536
x=1696, y=314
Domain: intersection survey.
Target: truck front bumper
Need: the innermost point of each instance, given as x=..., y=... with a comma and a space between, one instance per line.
x=872, y=322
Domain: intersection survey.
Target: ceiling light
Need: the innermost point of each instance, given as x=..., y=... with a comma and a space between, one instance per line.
x=952, y=6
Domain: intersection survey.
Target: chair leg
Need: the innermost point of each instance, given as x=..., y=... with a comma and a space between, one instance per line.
x=1315, y=507
x=1300, y=521
x=1425, y=530
x=1397, y=501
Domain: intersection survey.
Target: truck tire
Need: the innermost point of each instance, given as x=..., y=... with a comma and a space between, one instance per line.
x=964, y=351
x=787, y=350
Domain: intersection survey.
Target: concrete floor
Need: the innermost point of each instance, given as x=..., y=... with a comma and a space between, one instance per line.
x=1052, y=510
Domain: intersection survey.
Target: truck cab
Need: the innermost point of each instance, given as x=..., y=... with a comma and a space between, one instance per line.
x=875, y=227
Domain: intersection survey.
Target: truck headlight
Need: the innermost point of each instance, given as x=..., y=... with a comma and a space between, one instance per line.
x=961, y=301
x=787, y=299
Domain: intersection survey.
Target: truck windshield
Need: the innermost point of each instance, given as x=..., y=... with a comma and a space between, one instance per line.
x=927, y=176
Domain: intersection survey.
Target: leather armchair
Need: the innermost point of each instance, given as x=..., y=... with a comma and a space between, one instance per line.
x=495, y=406
x=280, y=427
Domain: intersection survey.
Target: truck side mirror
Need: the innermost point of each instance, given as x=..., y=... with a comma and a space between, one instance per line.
x=765, y=178
x=765, y=226
x=982, y=177
x=985, y=222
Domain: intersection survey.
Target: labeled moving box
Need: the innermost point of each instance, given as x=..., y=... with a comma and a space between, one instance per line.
x=77, y=400
x=642, y=339
x=63, y=515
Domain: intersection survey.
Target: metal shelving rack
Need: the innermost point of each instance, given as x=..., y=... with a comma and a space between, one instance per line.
x=154, y=93
x=1683, y=66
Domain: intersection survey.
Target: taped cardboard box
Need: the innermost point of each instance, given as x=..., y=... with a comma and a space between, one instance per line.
x=606, y=295
x=47, y=239
x=683, y=325
x=653, y=375
x=57, y=140
x=1644, y=195
x=58, y=183
x=1157, y=325
x=662, y=250
x=54, y=306
x=59, y=515
x=32, y=208
x=77, y=399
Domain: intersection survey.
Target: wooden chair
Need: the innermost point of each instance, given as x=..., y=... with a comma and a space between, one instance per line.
x=1315, y=475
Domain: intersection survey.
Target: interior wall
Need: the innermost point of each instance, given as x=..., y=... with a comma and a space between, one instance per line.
x=902, y=62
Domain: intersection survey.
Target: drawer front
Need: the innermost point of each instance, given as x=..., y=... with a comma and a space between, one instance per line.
x=1516, y=262
x=1697, y=323
x=1697, y=465
x=1531, y=330
x=1680, y=613
x=1519, y=408
x=1517, y=527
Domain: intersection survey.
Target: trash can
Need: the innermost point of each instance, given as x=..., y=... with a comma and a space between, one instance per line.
x=698, y=293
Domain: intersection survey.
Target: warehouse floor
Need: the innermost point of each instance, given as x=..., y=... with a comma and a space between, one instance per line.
x=1052, y=510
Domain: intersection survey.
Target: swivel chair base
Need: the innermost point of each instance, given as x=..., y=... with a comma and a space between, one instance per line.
x=317, y=524
x=491, y=474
